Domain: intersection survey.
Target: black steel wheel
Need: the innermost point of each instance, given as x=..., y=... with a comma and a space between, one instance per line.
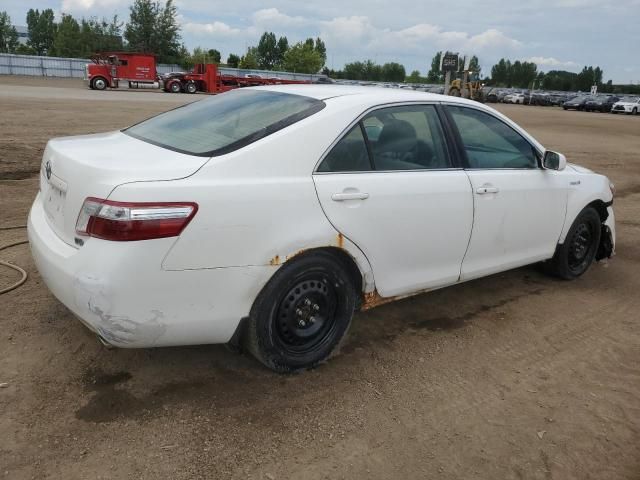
x=575, y=255
x=302, y=313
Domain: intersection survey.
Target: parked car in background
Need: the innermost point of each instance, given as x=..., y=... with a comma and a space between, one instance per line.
x=515, y=98
x=576, y=103
x=269, y=215
x=628, y=105
x=600, y=103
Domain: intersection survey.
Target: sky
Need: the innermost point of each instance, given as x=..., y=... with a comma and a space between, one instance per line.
x=555, y=34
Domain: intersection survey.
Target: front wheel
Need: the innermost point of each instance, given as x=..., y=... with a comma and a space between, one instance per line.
x=575, y=255
x=302, y=314
x=634, y=111
x=99, y=83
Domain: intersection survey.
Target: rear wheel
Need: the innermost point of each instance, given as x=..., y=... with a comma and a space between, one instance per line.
x=175, y=87
x=191, y=87
x=99, y=83
x=575, y=255
x=302, y=313
x=454, y=92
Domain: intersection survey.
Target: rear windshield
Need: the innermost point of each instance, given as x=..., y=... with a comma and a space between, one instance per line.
x=224, y=123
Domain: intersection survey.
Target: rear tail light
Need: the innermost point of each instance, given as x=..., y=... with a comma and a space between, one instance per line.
x=128, y=221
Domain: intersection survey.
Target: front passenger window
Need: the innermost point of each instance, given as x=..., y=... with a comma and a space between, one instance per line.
x=491, y=143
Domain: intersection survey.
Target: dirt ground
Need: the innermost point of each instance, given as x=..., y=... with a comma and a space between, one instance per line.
x=515, y=376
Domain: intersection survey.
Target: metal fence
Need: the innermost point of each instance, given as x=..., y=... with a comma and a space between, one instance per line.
x=75, y=68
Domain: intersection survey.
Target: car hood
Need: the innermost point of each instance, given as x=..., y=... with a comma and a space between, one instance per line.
x=627, y=104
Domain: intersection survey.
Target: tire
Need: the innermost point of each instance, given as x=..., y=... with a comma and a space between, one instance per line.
x=634, y=111
x=191, y=87
x=99, y=83
x=175, y=87
x=302, y=314
x=454, y=92
x=575, y=255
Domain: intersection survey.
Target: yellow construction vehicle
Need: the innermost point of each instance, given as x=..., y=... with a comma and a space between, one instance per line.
x=467, y=85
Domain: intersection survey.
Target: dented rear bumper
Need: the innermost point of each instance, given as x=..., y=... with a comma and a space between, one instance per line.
x=119, y=290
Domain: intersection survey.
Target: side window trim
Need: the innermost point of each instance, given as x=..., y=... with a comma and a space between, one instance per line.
x=368, y=145
x=460, y=144
x=454, y=164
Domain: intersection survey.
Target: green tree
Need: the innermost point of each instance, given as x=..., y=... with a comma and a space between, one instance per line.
x=283, y=46
x=23, y=49
x=414, y=77
x=42, y=30
x=101, y=35
x=66, y=42
x=233, y=60
x=393, y=72
x=140, y=32
x=8, y=34
x=267, y=51
x=154, y=28
x=214, y=55
x=435, y=75
x=321, y=48
x=474, y=65
x=250, y=59
x=303, y=58
x=167, y=36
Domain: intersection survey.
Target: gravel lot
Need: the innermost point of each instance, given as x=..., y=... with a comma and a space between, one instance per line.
x=514, y=376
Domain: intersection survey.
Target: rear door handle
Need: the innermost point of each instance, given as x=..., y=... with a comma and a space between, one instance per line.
x=483, y=190
x=341, y=197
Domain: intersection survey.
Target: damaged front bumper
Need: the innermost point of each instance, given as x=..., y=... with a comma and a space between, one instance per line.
x=607, y=246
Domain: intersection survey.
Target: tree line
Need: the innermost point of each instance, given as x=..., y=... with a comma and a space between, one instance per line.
x=152, y=27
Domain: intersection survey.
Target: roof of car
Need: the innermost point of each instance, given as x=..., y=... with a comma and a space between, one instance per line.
x=368, y=94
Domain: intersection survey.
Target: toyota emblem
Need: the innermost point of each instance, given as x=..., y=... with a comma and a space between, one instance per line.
x=47, y=169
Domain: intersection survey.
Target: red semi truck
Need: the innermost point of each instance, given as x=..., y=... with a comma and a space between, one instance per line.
x=109, y=69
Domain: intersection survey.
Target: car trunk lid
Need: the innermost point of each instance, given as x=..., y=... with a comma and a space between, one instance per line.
x=74, y=168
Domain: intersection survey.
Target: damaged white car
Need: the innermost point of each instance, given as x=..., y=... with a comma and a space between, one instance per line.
x=267, y=216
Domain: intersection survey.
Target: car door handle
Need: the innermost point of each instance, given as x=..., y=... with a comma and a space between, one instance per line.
x=483, y=190
x=341, y=197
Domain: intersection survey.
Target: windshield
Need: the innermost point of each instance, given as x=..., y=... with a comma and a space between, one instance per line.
x=629, y=99
x=226, y=122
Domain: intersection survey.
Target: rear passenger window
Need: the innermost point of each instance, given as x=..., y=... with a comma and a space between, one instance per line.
x=348, y=155
x=406, y=138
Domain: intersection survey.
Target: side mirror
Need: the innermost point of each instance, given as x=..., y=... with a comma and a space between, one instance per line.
x=553, y=161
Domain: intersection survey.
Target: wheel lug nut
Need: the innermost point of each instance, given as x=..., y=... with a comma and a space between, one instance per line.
x=312, y=319
x=302, y=323
x=307, y=302
x=316, y=307
x=298, y=312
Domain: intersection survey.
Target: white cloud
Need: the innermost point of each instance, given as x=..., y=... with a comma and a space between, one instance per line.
x=551, y=62
x=359, y=34
x=75, y=5
x=272, y=18
x=215, y=29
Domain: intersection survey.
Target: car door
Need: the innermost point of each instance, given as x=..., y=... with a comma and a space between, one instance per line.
x=389, y=186
x=519, y=208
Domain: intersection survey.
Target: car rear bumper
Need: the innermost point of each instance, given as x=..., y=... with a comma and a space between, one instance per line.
x=120, y=291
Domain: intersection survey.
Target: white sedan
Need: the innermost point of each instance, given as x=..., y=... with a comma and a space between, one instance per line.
x=267, y=216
